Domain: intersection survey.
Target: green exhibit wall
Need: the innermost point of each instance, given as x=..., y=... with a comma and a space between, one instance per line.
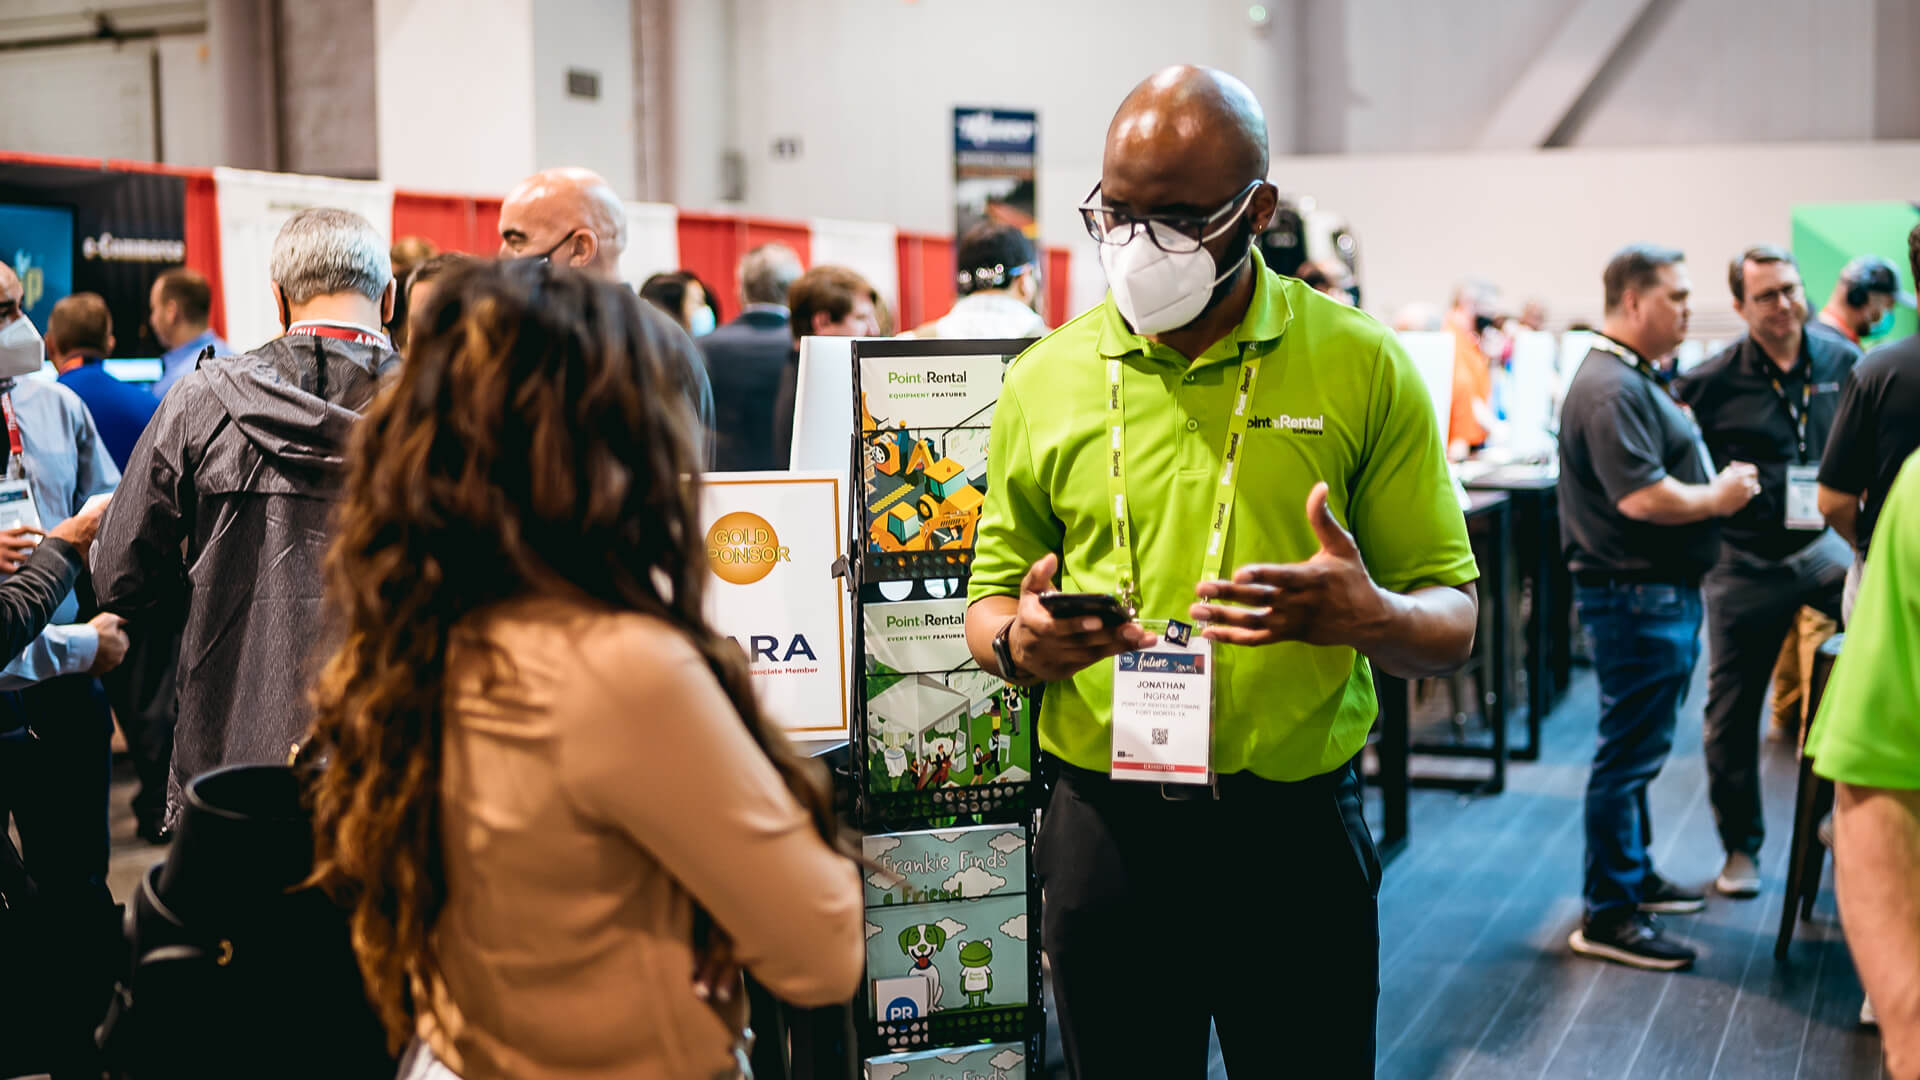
x=1827, y=235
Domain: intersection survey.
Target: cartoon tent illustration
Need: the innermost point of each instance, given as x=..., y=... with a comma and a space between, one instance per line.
x=912, y=715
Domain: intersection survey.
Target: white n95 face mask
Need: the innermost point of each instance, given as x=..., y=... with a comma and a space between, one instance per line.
x=1157, y=291
x=21, y=351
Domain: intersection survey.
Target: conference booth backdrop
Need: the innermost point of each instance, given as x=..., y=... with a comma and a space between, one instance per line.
x=79, y=224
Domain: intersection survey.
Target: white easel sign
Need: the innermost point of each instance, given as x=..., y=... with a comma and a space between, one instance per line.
x=771, y=541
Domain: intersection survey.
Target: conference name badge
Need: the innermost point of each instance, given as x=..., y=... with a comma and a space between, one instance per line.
x=1803, y=498
x=1163, y=713
x=16, y=505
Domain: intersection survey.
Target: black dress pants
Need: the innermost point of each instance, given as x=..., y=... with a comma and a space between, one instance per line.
x=141, y=690
x=54, y=776
x=1255, y=910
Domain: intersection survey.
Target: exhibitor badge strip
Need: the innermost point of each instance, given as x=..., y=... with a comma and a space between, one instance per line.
x=1803, y=498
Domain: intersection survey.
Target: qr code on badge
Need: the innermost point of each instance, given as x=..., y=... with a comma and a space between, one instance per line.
x=1159, y=736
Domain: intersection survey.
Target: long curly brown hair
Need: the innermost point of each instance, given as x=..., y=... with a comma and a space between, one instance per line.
x=537, y=439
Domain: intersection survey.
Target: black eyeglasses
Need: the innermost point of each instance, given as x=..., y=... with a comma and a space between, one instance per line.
x=1175, y=234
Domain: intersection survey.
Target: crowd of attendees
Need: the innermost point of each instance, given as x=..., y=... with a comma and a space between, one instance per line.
x=509, y=502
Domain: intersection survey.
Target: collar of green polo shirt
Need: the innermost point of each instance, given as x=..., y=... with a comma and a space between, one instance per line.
x=1109, y=468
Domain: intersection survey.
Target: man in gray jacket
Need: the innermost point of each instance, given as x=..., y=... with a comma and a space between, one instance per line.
x=222, y=518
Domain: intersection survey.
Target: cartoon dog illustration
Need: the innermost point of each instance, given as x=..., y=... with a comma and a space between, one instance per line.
x=919, y=943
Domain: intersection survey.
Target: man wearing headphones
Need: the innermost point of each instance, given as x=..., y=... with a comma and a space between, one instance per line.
x=1862, y=302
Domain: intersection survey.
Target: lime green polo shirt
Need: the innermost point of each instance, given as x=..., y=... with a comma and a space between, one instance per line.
x=1337, y=400
x=1868, y=729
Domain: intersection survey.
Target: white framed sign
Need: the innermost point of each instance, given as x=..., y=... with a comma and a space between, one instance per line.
x=771, y=540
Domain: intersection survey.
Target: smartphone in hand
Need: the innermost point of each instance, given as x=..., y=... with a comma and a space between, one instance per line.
x=1103, y=606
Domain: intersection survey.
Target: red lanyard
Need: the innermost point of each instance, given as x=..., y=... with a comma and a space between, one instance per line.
x=13, y=427
x=343, y=333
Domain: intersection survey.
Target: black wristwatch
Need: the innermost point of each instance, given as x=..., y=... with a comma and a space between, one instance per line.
x=1003, y=654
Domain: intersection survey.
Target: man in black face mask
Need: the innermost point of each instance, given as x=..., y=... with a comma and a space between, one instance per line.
x=573, y=217
x=1221, y=709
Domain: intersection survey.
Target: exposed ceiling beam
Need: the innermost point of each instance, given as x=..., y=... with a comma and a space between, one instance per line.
x=1579, y=54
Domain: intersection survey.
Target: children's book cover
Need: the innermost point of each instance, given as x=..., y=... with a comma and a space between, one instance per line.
x=948, y=906
x=972, y=953
x=990, y=1061
x=965, y=863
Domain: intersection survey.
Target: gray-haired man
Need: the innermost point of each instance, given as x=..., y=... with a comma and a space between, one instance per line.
x=223, y=514
x=746, y=359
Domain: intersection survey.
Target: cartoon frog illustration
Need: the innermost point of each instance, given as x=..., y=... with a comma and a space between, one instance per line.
x=976, y=977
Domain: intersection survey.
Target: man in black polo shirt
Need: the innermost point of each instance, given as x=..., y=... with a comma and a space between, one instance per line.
x=1637, y=508
x=1768, y=398
x=1876, y=427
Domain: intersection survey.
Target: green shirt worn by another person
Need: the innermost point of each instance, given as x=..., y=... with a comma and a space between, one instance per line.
x=1337, y=400
x=1868, y=730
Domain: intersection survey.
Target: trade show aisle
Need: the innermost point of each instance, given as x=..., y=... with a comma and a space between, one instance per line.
x=1477, y=979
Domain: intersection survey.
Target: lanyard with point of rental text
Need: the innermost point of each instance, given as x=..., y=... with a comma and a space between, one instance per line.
x=1224, y=492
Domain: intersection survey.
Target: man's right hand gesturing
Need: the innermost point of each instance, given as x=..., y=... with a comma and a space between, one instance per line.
x=1047, y=649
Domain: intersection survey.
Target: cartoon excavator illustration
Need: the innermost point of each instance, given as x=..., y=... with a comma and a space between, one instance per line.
x=919, y=498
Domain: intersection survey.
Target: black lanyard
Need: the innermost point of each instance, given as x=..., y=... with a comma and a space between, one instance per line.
x=1607, y=345
x=1798, y=416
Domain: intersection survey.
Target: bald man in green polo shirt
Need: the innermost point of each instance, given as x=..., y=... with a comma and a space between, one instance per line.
x=1256, y=473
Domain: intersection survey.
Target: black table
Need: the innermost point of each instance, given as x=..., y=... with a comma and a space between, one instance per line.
x=1489, y=524
x=1536, y=524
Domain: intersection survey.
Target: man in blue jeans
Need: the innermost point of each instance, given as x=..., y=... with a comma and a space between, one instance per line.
x=1638, y=506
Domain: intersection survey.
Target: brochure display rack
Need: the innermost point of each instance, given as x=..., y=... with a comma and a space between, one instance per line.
x=944, y=754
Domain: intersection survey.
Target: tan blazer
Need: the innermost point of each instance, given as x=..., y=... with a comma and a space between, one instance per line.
x=596, y=783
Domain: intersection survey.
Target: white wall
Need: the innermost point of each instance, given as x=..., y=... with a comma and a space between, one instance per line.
x=870, y=86
x=700, y=94
x=455, y=93
x=1543, y=223
x=189, y=124
x=87, y=100
x=595, y=36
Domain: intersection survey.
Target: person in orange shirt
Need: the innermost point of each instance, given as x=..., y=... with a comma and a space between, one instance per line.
x=1471, y=419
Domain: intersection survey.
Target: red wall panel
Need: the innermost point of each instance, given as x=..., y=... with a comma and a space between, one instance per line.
x=452, y=222
x=926, y=277
x=1058, y=280
x=203, y=243
x=711, y=246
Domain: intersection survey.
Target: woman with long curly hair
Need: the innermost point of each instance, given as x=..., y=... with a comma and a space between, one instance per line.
x=558, y=818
